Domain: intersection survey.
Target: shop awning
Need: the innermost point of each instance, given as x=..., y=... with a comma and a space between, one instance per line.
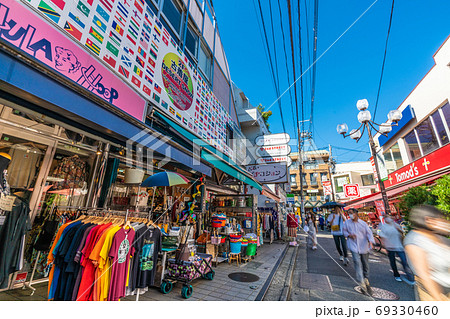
x=208, y=153
x=227, y=168
x=266, y=191
x=360, y=202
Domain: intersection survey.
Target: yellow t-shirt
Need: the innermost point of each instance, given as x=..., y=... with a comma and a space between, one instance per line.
x=104, y=264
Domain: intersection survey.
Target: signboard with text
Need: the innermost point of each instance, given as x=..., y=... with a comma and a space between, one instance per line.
x=269, y=173
x=432, y=162
x=327, y=190
x=275, y=159
x=128, y=38
x=351, y=190
x=276, y=150
x=272, y=139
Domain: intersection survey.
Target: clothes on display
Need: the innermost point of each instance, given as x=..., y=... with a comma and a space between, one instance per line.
x=73, y=171
x=102, y=259
x=24, y=165
x=13, y=226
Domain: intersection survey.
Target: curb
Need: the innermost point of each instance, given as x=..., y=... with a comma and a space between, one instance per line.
x=266, y=285
x=288, y=283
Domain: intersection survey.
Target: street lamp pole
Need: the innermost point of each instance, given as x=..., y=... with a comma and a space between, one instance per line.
x=364, y=118
x=387, y=209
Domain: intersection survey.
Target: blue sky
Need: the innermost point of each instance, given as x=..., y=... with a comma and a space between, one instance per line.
x=348, y=71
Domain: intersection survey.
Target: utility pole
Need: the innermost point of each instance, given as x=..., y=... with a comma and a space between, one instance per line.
x=329, y=172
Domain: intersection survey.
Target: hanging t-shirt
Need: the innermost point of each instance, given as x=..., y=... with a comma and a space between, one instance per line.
x=148, y=258
x=23, y=166
x=104, y=265
x=120, y=252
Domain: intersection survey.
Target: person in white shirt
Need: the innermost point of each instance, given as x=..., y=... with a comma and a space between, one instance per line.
x=336, y=221
x=391, y=235
x=359, y=242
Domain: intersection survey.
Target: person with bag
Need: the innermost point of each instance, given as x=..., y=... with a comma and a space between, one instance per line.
x=336, y=222
x=427, y=247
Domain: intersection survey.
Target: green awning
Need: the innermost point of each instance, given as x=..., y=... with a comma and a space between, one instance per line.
x=230, y=170
x=224, y=163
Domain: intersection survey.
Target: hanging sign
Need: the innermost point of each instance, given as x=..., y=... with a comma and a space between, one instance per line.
x=272, y=139
x=275, y=159
x=351, y=190
x=269, y=173
x=276, y=150
x=327, y=190
x=379, y=205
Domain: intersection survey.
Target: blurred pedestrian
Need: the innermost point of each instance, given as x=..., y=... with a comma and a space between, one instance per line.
x=336, y=222
x=321, y=222
x=312, y=230
x=392, y=235
x=359, y=241
x=428, y=249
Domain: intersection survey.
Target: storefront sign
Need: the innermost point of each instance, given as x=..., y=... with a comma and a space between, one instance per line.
x=29, y=33
x=130, y=39
x=276, y=150
x=425, y=165
x=275, y=159
x=379, y=205
x=327, y=190
x=20, y=278
x=272, y=139
x=351, y=190
x=269, y=173
x=312, y=191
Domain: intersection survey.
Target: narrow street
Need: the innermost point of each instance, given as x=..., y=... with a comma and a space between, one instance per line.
x=317, y=276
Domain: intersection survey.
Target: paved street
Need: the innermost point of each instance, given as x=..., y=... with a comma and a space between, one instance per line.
x=325, y=278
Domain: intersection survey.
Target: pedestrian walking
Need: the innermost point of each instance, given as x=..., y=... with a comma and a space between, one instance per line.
x=360, y=241
x=312, y=230
x=321, y=222
x=428, y=250
x=392, y=235
x=336, y=222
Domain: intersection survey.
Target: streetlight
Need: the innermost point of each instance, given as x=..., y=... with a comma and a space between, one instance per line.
x=365, y=118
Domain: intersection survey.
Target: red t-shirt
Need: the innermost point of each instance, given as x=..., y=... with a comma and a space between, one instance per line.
x=121, y=250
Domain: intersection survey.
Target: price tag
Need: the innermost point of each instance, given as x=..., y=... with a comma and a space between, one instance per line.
x=6, y=202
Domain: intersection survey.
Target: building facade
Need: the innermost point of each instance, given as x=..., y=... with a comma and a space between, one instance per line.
x=417, y=151
x=316, y=170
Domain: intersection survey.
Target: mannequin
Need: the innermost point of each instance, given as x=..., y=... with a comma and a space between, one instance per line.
x=5, y=159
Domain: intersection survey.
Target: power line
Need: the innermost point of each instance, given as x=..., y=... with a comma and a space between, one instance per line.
x=384, y=60
x=301, y=63
x=313, y=87
x=293, y=61
x=271, y=66
x=286, y=63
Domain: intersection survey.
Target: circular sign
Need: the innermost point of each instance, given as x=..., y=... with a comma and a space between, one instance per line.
x=177, y=81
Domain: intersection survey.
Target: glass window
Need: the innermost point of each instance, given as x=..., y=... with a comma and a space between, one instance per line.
x=313, y=198
x=229, y=136
x=311, y=166
x=339, y=183
x=323, y=177
x=204, y=61
x=446, y=111
x=389, y=161
x=442, y=133
x=427, y=137
x=293, y=180
x=152, y=6
x=304, y=179
x=191, y=40
x=173, y=14
x=397, y=156
x=313, y=178
x=413, y=146
x=367, y=179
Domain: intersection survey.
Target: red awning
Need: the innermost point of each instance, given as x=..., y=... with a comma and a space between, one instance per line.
x=266, y=191
x=360, y=202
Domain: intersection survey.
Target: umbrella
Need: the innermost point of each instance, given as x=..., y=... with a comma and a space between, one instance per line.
x=332, y=204
x=165, y=179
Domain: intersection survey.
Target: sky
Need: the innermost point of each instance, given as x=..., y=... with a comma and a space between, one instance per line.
x=347, y=71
